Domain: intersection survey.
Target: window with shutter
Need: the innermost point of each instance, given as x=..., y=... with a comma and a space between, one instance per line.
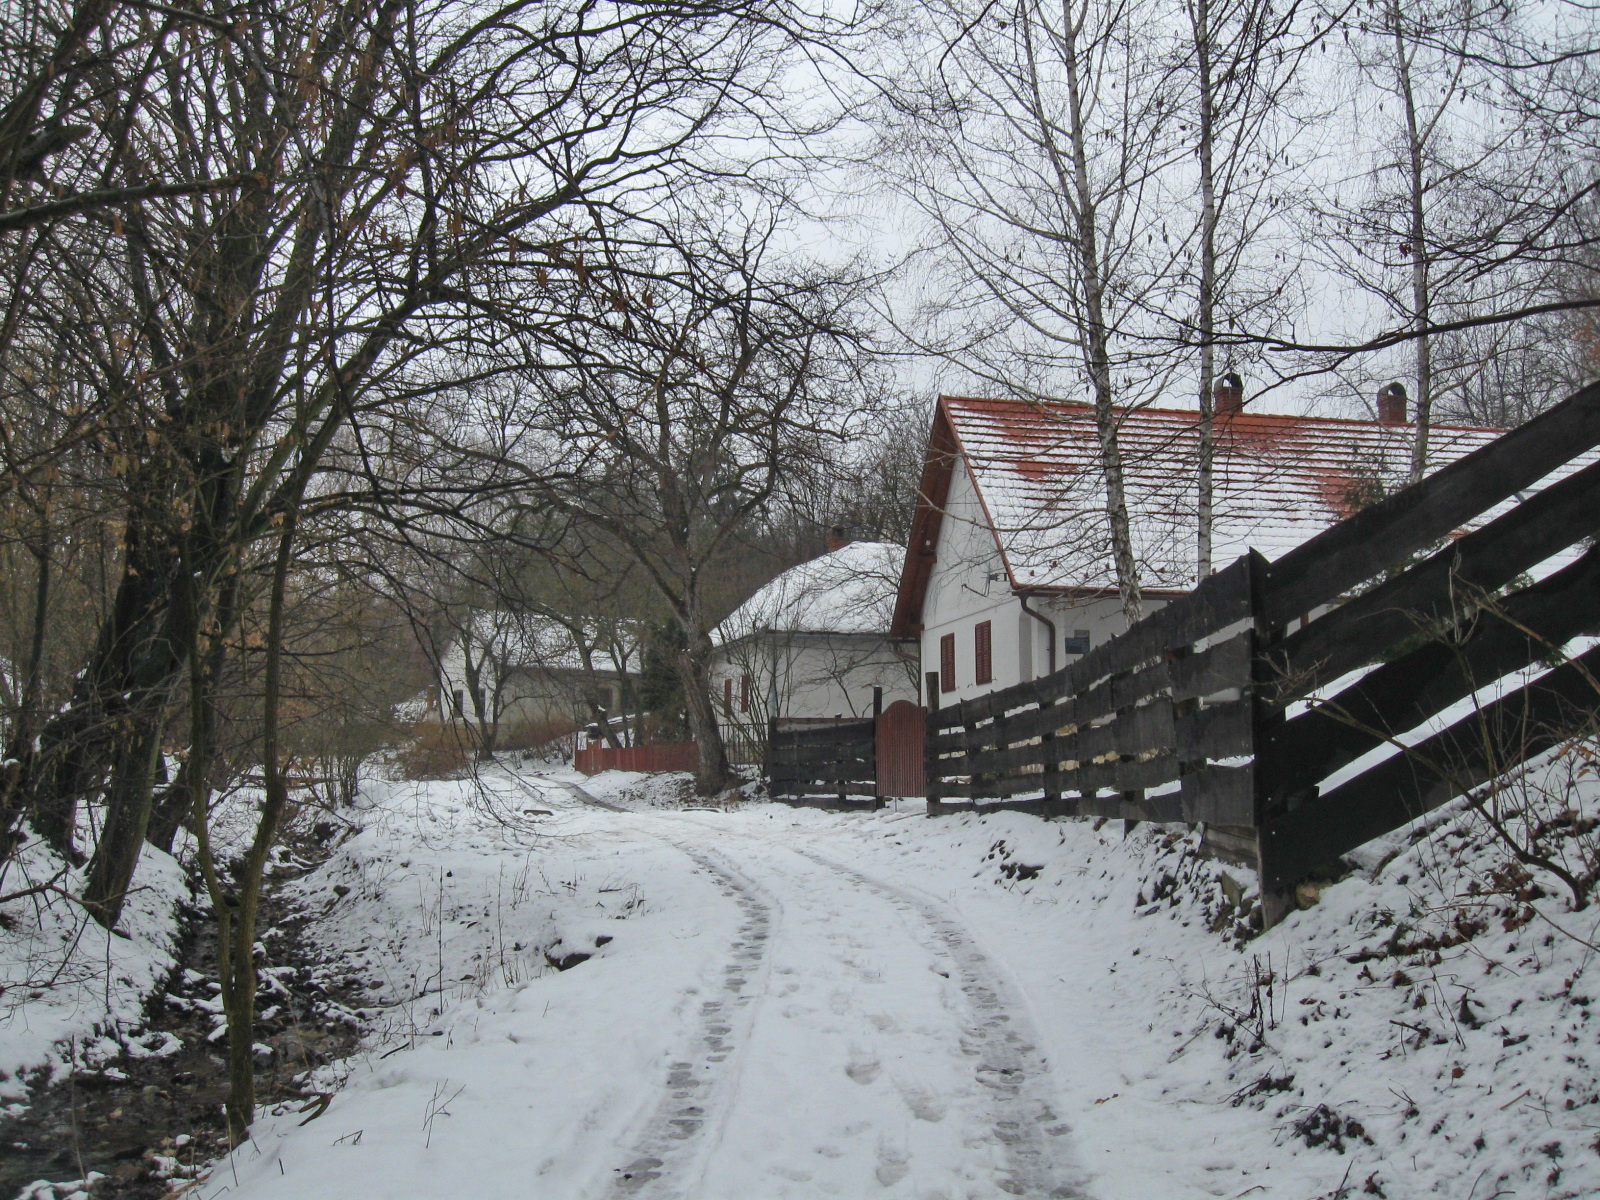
x=744, y=693
x=947, y=663
x=983, y=653
x=727, y=696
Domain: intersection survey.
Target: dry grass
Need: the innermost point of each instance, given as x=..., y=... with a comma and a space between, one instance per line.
x=436, y=750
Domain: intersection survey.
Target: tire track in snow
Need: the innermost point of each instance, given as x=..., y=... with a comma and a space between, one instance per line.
x=999, y=1036
x=671, y=1137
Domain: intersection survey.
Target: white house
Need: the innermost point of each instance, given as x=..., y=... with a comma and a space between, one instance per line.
x=523, y=678
x=814, y=645
x=1009, y=574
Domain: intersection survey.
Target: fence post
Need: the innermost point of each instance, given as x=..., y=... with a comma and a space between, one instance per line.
x=877, y=765
x=771, y=757
x=930, y=752
x=1132, y=799
x=970, y=727
x=1052, y=767
x=1276, y=903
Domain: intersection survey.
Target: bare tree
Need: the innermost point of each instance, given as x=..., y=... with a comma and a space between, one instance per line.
x=1033, y=145
x=1460, y=222
x=1237, y=65
x=233, y=361
x=718, y=374
x=408, y=166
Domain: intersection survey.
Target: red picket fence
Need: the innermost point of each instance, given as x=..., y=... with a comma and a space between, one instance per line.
x=664, y=756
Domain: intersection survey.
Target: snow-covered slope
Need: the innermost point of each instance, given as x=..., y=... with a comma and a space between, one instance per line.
x=72, y=995
x=791, y=1003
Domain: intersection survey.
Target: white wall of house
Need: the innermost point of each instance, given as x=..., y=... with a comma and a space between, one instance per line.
x=807, y=676
x=528, y=694
x=968, y=585
x=811, y=675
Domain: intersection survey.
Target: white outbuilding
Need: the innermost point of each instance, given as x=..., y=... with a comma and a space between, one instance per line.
x=813, y=646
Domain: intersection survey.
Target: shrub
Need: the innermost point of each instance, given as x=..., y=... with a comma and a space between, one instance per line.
x=437, y=749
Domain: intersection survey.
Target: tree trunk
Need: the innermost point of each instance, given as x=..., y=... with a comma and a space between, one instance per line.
x=141, y=720
x=239, y=968
x=20, y=744
x=1206, y=324
x=486, y=733
x=694, y=673
x=1416, y=194
x=168, y=810
x=129, y=673
x=1097, y=345
x=128, y=797
x=194, y=776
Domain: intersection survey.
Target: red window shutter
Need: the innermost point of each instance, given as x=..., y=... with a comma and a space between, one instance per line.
x=727, y=695
x=983, y=653
x=744, y=693
x=947, y=663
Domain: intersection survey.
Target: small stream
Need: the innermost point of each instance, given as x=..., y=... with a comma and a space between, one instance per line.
x=171, y=1107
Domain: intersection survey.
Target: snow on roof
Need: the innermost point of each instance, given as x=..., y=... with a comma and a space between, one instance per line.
x=1279, y=480
x=850, y=590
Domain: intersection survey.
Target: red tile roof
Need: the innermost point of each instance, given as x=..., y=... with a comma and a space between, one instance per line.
x=1278, y=481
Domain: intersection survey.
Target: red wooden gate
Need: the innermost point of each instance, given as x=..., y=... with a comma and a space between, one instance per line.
x=900, y=764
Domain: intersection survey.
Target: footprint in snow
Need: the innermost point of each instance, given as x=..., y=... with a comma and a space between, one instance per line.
x=863, y=1071
x=892, y=1166
x=923, y=1104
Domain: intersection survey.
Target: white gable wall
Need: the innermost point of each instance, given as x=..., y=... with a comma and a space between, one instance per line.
x=968, y=585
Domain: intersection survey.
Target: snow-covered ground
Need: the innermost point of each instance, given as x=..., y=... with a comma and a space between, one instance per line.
x=772, y=1002
x=72, y=996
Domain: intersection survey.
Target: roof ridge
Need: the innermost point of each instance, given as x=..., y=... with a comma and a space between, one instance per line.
x=1245, y=414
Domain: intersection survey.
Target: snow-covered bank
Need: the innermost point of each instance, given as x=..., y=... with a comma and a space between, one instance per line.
x=776, y=1002
x=1366, y=1043
x=72, y=995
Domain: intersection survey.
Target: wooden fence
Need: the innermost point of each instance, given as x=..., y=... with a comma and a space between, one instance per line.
x=838, y=761
x=1211, y=709
x=841, y=763
x=662, y=756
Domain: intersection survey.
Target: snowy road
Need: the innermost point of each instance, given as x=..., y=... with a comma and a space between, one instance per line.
x=860, y=1038
x=759, y=1004
x=768, y=1022
x=608, y=996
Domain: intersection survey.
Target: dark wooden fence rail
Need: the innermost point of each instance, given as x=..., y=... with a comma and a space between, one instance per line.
x=1185, y=717
x=836, y=760
x=1132, y=729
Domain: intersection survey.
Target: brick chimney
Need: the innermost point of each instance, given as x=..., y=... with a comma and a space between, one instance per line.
x=1392, y=405
x=1228, y=396
x=838, y=539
